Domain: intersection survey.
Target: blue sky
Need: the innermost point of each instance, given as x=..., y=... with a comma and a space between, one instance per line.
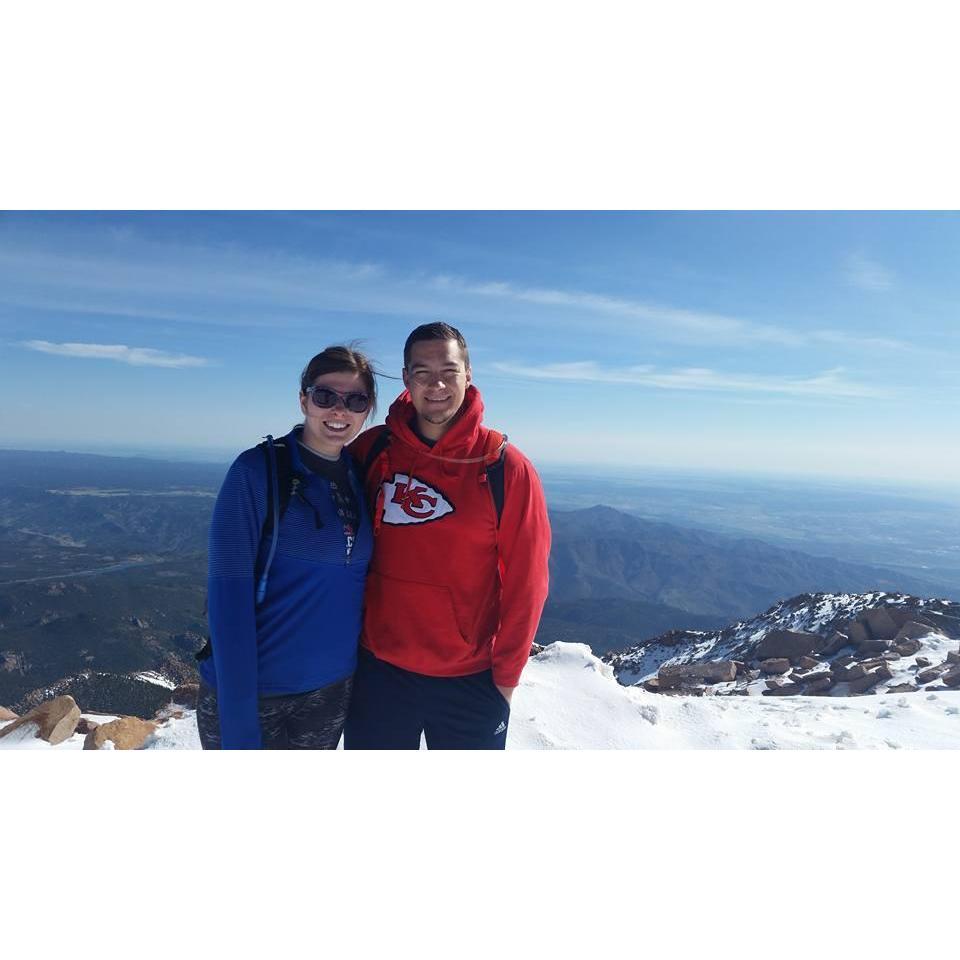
x=786, y=343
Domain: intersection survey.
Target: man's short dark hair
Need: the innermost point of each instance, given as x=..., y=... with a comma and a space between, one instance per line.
x=435, y=331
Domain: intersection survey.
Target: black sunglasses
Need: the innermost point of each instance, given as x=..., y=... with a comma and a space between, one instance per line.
x=325, y=398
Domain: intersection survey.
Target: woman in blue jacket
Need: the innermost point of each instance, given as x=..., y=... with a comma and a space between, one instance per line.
x=285, y=611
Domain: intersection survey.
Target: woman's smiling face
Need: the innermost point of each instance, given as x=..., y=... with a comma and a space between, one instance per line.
x=328, y=429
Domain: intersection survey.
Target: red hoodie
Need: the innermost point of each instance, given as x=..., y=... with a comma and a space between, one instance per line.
x=449, y=594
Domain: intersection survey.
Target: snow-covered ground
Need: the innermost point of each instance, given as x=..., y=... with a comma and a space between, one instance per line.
x=568, y=699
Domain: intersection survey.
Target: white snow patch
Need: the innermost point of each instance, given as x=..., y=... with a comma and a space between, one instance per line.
x=157, y=678
x=569, y=699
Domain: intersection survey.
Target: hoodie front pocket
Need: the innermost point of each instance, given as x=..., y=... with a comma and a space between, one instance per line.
x=403, y=616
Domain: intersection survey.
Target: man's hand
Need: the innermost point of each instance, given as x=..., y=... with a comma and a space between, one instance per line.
x=506, y=692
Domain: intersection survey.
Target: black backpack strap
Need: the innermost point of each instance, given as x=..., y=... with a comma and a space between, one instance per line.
x=380, y=443
x=280, y=475
x=495, y=482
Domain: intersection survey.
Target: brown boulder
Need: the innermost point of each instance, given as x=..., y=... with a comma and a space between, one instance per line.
x=953, y=656
x=808, y=663
x=833, y=645
x=907, y=648
x=84, y=725
x=651, y=686
x=843, y=661
x=125, y=733
x=899, y=616
x=186, y=693
x=873, y=645
x=775, y=665
x=820, y=684
x=783, y=690
x=882, y=625
x=787, y=643
x=857, y=632
x=952, y=679
x=923, y=661
x=716, y=671
x=854, y=672
x=924, y=676
x=902, y=688
x=6, y=714
x=55, y=719
x=863, y=684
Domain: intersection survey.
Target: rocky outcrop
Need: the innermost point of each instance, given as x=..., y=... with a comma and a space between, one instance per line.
x=85, y=726
x=124, y=733
x=717, y=671
x=6, y=714
x=814, y=644
x=787, y=643
x=55, y=720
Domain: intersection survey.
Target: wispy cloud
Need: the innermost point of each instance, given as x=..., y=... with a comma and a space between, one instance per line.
x=830, y=383
x=840, y=338
x=133, y=276
x=700, y=324
x=867, y=274
x=135, y=356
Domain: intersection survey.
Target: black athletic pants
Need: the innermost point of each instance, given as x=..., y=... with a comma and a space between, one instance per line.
x=295, y=721
x=391, y=707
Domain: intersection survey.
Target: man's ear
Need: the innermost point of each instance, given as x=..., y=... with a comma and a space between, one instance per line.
x=406, y=378
x=303, y=404
x=469, y=374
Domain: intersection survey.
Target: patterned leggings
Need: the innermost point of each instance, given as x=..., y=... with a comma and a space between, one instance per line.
x=295, y=721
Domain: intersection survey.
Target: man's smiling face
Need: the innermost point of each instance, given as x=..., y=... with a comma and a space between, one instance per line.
x=437, y=378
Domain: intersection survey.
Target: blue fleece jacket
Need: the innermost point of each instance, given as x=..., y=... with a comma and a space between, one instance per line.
x=304, y=635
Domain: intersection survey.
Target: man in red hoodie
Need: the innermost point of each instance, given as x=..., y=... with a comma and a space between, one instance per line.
x=459, y=571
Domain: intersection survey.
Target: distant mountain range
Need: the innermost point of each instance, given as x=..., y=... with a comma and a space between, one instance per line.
x=102, y=572
x=628, y=578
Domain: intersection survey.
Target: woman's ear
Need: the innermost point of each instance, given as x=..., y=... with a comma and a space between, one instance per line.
x=303, y=404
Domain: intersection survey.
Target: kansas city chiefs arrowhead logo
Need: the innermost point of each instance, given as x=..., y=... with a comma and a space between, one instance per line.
x=409, y=500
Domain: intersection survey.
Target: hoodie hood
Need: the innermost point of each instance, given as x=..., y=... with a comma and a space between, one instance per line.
x=461, y=439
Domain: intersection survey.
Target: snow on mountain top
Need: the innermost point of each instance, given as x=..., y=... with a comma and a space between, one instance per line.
x=819, y=613
x=150, y=677
x=569, y=699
